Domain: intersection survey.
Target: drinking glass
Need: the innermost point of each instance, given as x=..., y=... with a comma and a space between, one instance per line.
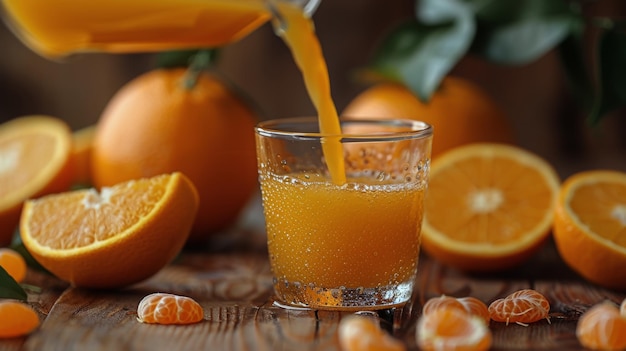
x=350, y=245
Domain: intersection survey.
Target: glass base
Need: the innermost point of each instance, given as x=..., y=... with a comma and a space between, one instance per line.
x=344, y=299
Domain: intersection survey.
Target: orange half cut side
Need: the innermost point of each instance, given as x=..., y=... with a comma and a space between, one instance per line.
x=488, y=207
x=115, y=237
x=590, y=226
x=34, y=161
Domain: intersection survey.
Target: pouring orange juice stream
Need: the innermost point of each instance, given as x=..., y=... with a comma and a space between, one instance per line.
x=59, y=27
x=305, y=48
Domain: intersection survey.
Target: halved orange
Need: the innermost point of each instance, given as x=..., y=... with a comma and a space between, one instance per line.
x=112, y=238
x=590, y=226
x=34, y=160
x=489, y=206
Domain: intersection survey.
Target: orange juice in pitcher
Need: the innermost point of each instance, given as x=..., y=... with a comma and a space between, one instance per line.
x=59, y=27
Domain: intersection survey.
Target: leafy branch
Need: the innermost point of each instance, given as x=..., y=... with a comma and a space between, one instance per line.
x=422, y=51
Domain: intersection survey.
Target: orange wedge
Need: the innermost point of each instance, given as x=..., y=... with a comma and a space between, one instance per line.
x=590, y=226
x=112, y=238
x=34, y=160
x=489, y=206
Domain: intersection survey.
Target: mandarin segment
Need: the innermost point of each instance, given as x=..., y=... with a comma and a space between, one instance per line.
x=13, y=263
x=602, y=327
x=34, y=161
x=452, y=329
x=476, y=307
x=112, y=238
x=442, y=302
x=467, y=304
x=489, y=206
x=521, y=307
x=590, y=222
x=162, y=308
x=17, y=319
x=361, y=333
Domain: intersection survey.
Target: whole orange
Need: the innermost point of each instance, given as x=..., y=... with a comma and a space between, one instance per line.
x=154, y=125
x=459, y=111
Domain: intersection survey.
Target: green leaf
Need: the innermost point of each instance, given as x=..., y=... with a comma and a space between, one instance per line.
x=184, y=58
x=421, y=53
x=572, y=55
x=519, y=32
x=9, y=288
x=611, y=52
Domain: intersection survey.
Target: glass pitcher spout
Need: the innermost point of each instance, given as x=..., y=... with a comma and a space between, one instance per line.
x=56, y=28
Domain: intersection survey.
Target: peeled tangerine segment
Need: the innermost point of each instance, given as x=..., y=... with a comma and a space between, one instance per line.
x=523, y=306
x=358, y=333
x=17, y=319
x=602, y=327
x=162, y=308
x=452, y=329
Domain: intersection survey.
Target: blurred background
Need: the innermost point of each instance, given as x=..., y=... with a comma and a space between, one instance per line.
x=534, y=96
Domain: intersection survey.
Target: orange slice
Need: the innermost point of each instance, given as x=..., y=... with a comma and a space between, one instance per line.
x=112, y=238
x=489, y=206
x=34, y=160
x=590, y=226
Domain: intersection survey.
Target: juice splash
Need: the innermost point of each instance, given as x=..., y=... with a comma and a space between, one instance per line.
x=298, y=32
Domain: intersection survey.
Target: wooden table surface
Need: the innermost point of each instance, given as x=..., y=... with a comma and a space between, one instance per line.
x=232, y=282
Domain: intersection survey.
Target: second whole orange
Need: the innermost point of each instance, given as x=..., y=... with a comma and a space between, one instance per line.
x=459, y=111
x=154, y=124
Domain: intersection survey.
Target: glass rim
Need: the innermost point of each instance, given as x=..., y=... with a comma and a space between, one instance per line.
x=279, y=128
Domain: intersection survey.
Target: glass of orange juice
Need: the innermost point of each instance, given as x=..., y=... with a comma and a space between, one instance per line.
x=348, y=245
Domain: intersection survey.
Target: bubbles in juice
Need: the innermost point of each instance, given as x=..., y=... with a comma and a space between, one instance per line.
x=335, y=243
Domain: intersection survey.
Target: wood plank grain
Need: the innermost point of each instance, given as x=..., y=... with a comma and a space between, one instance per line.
x=235, y=289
